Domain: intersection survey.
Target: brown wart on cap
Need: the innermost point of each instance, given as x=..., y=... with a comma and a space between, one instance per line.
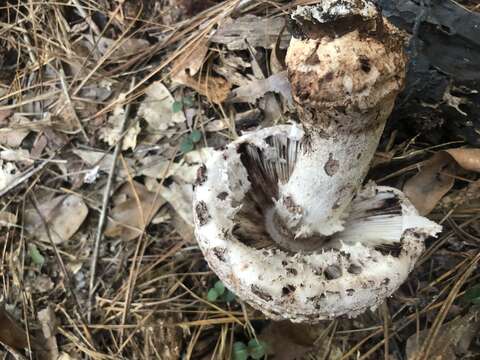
x=299, y=238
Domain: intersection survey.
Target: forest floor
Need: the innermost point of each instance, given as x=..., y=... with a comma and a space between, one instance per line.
x=107, y=109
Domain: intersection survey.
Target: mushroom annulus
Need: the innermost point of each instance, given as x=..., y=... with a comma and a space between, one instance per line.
x=281, y=214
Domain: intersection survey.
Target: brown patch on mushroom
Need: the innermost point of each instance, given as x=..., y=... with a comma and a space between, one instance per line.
x=364, y=64
x=354, y=269
x=291, y=206
x=219, y=253
x=222, y=196
x=292, y=271
x=332, y=272
x=328, y=76
x=202, y=213
x=313, y=58
x=201, y=175
x=350, y=292
x=288, y=290
x=262, y=294
x=331, y=166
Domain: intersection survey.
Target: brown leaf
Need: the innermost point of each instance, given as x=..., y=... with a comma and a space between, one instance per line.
x=452, y=341
x=63, y=214
x=192, y=60
x=469, y=159
x=437, y=176
x=432, y=182
x=130, y=215
x=11, y=333
x=298, y=340
x=14, y=131
x=215, y=88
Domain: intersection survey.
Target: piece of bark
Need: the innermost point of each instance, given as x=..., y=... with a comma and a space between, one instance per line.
x=442, y=93
x=257, y=31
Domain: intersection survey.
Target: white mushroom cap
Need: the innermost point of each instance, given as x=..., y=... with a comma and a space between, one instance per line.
x=349, y=272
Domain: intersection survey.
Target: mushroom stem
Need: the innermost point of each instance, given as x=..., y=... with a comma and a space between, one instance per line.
x=346, y=66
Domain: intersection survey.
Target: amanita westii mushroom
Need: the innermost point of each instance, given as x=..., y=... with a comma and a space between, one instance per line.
x=281, y=215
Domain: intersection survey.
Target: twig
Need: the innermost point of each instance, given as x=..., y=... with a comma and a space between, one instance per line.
x=88, y=19
x=103, y=214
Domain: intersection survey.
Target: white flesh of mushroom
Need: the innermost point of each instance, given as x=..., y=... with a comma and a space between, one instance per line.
x=351, y=271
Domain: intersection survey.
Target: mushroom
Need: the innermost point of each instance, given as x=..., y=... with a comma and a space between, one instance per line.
x=281, y=215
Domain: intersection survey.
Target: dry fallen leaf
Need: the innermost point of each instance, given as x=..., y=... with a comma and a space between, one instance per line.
x=11, y=333
x=192, y=60
x=100, y=161
x=215, y=88
x=112, y=132
x=133, y=210
x=277, y=83
x=452, y=341
x=14, y=132
x=298, y=341
x=437, y=176
x=63, y=214
x=157, y=109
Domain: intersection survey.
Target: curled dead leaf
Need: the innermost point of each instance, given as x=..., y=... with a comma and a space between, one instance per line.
x=192, y=60
x=215, y=88
x=134, y=208
x=437, y=176
x=157, y=108
x=277, y=83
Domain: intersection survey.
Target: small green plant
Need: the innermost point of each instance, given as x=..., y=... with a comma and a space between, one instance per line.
x=35, y=255
x=189, y=141
x=178, y=105
x=472, y=295
x=220, y=293
x=255, y=349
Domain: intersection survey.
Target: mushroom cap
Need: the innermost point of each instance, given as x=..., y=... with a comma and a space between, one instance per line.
x=350, y=77
x=356, y=269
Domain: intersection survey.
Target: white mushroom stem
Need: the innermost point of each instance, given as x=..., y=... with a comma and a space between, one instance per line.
x=344, y=85
x=280, y=214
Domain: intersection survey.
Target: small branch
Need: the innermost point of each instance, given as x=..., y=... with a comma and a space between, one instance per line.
x=103, y=214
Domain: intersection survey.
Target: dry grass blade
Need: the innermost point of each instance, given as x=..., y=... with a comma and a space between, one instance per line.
x=103, y=214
